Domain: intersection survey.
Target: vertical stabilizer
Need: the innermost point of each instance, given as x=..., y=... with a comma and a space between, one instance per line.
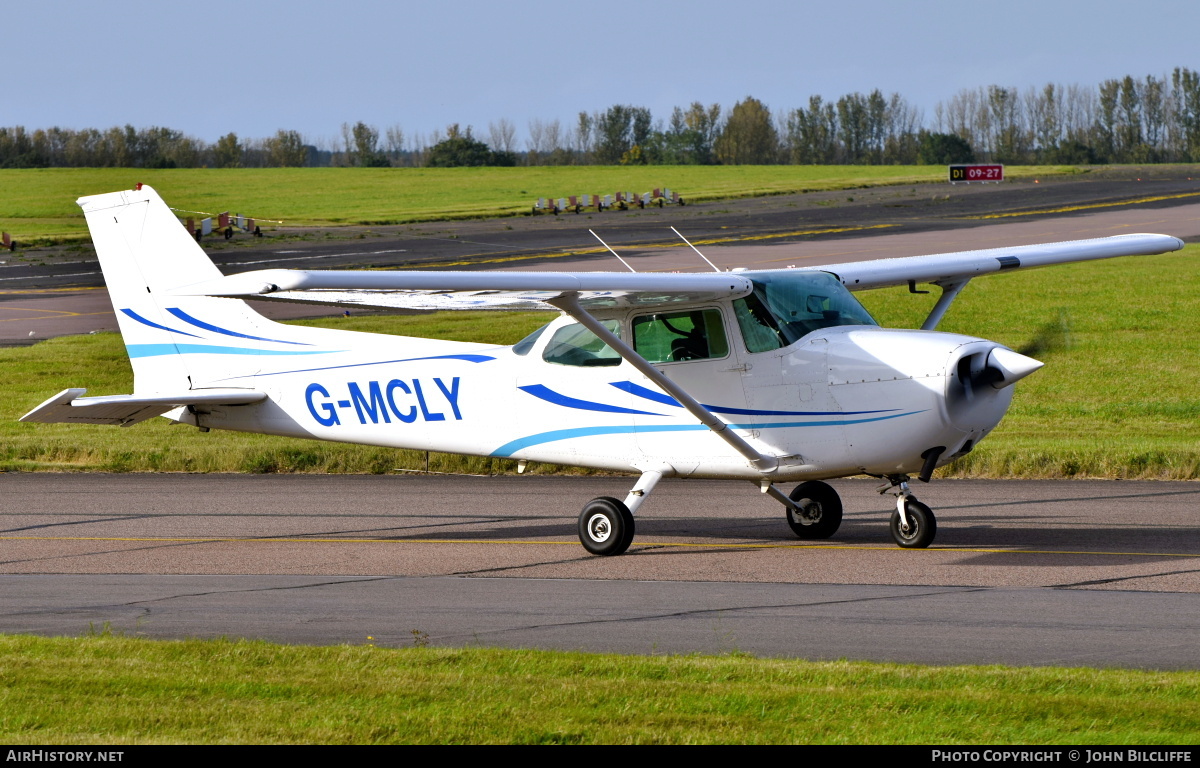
x=173, y=342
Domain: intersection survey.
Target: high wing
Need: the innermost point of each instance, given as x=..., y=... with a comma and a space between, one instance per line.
x=421, y=291
x=432, y=291
x=67, y=407
x=947, y=268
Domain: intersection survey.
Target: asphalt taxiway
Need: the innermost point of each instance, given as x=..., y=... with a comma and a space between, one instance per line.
x=1023, y=572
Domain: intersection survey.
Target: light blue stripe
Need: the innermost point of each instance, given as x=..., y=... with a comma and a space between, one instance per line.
x=155, y=350
x=508, y=449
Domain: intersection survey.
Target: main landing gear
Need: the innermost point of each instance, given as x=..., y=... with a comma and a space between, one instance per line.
x=606, y=525
x=814, y=511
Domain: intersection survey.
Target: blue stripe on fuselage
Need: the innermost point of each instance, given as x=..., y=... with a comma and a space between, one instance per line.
x=184, y=316
x=542, y=392
x=513, y=446
x=649, y=394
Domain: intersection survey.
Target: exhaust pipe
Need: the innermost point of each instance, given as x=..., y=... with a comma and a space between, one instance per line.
x=931, y=457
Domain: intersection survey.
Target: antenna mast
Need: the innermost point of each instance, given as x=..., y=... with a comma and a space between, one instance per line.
x=614, y=253
x=697, y=250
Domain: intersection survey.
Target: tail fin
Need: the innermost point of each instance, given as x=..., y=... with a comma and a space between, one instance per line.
x=144, y=252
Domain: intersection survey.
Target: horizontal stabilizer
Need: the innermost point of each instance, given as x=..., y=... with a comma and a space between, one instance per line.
x=68, y=407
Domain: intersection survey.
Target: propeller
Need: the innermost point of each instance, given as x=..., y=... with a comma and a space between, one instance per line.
x=1054, y=336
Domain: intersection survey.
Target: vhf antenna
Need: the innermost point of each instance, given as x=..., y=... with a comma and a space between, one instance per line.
x=697, y=250
x=614, y=253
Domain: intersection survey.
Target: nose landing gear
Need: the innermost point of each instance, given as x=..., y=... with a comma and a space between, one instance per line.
x=913, y=524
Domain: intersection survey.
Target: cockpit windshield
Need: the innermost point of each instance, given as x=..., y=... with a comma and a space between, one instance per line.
x=787, y=305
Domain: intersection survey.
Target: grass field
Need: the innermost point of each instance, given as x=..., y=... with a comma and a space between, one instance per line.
x=38, y=205
x=1119, y=396
x=113, y=690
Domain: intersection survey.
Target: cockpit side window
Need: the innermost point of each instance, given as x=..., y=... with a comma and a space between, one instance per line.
x=759, y=329
x=676, y=336
x=575, y=345
x=523, y=346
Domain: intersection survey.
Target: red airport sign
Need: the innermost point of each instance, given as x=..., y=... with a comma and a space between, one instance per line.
x=983, y=173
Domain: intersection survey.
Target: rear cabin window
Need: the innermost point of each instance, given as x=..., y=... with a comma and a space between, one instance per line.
x=676, y=336
x=575, y=345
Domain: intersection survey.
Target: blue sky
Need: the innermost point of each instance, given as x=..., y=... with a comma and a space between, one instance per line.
x=254, y=67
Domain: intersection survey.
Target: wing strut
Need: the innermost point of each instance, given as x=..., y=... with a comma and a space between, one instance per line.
x=569, y=303
x=950, y=291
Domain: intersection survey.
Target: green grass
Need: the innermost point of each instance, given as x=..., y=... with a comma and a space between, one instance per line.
x=1119, y=396
x=113, y=690
x=38, y=205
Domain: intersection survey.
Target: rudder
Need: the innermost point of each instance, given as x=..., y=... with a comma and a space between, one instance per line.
x=144, y=252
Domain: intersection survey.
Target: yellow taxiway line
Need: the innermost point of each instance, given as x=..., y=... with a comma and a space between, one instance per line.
x=1070, y=208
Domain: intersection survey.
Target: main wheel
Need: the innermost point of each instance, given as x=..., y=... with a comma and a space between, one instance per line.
x=606, y=526
x=824, y=510
x=922, y=525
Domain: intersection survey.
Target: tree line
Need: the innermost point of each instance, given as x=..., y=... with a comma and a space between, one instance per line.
x=1126, y=120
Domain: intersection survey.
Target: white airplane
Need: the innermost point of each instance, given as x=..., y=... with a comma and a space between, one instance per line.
x=769, y=376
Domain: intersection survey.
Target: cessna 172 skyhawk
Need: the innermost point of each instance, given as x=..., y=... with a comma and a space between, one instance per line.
x=768, y=376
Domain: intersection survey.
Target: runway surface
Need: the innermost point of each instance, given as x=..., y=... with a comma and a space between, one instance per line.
x=1062, y=573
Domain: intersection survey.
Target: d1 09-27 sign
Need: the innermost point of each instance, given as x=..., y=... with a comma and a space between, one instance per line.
x=969, y=173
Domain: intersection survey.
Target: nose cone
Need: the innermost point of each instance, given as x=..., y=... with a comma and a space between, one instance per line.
x=979, y=386
x=1006, y=367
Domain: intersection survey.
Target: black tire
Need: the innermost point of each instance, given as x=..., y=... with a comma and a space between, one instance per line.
x=922, y=526
x=829, y=515
x=606, y=526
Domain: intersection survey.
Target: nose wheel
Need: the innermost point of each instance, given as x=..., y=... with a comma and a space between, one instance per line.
x=913, y=524
x=917, y=528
